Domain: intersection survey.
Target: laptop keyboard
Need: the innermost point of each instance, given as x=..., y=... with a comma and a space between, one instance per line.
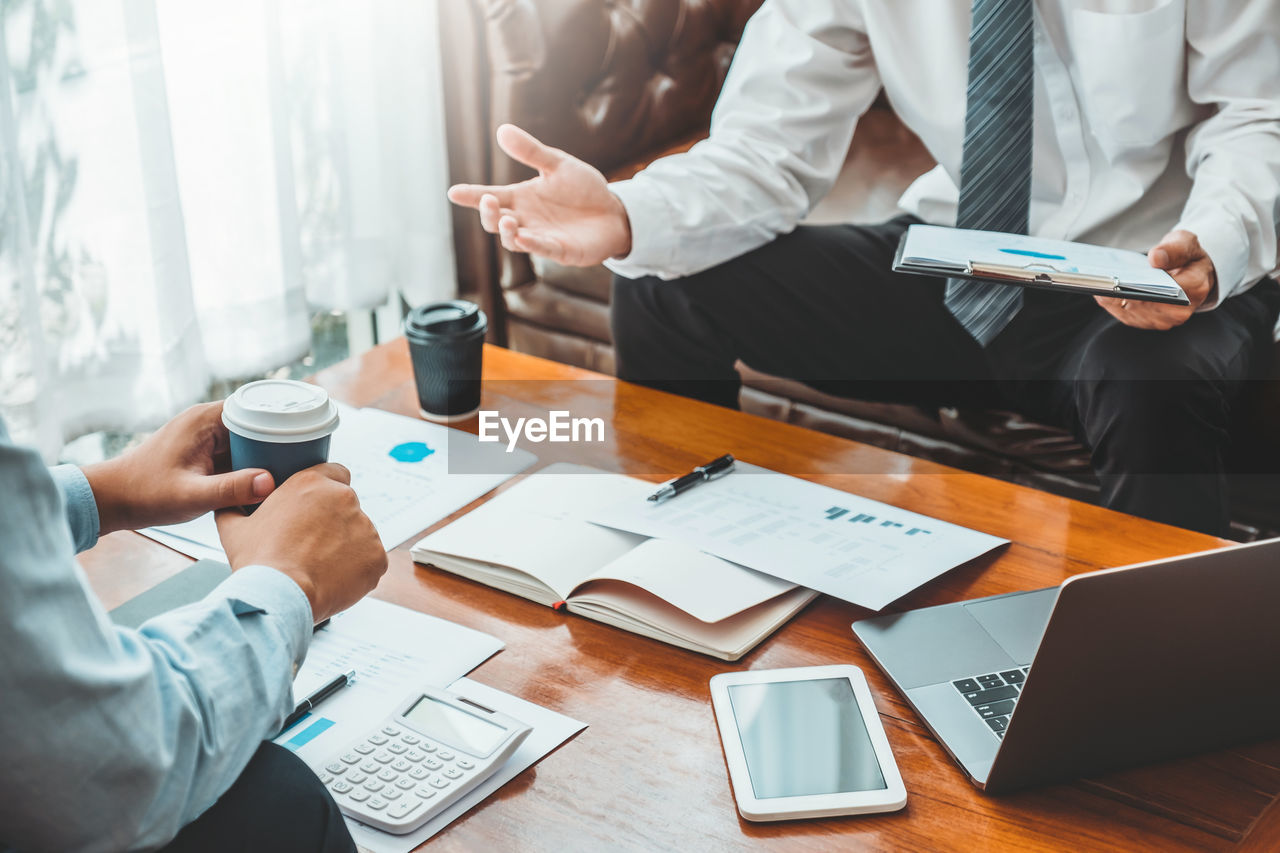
x=993, y=696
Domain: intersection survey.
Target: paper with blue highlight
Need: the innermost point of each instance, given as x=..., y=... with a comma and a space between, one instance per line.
x=1019, y=259
x=393, y=651
x=400, y=470
x=304, y=731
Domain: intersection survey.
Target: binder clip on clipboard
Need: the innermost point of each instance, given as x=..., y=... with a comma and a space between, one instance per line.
x=1034, y=262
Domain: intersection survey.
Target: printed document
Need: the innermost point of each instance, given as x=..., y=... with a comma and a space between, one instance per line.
x=931, y=245
x=393, y=651
x=831, y=541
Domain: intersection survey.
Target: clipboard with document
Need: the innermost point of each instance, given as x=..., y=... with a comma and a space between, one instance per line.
x=1034, y=262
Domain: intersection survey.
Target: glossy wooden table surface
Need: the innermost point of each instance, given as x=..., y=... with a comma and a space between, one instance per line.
x=649, y=773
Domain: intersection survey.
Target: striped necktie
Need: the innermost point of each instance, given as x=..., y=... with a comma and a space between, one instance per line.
x=995, y=172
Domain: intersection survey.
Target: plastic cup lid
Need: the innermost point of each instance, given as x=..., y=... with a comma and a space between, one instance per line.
x=280, y=410
x=445, y=318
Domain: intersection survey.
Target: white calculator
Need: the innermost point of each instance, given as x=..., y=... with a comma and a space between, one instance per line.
x=433, y=750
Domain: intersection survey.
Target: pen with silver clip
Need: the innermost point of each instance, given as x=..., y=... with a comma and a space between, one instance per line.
x=713, y=470
x=307, y=705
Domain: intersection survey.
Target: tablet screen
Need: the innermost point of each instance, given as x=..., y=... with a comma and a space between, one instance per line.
x=804, y=737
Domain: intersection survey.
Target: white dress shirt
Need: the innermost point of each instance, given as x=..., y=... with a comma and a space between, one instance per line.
x=1150, y=115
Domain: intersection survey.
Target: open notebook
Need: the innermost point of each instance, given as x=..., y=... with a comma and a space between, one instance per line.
x=533, y=540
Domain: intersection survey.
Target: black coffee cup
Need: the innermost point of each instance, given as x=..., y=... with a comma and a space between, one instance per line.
x=446, y=345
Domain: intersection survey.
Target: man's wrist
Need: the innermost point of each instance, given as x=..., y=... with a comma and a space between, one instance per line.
x=624, y=220
x=653, y=241
x=308, y=588
x=300, y=579
x=1225, y=247
x=109, y=494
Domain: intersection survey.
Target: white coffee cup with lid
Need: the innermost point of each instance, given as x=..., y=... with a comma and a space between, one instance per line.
x=282, y=425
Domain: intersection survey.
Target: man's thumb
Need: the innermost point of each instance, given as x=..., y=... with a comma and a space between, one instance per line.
x=1177, y=249
x=237, y=488
x=525, y=148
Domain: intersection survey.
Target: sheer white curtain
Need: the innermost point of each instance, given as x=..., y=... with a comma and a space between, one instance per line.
x=182, y=184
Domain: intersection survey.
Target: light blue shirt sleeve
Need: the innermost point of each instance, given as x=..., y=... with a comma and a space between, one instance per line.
x=114, y=738
x=81, y=507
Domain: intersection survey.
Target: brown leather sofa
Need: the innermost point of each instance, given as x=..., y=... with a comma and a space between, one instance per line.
x=622, y=82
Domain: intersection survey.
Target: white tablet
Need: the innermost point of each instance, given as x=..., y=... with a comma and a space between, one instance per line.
x=805, y=742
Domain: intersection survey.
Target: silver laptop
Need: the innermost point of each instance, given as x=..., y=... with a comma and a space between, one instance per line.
x=1111, y=669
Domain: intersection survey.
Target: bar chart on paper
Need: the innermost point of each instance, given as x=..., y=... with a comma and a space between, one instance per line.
x=306, y=730
x=837, y=512
x=835, y=542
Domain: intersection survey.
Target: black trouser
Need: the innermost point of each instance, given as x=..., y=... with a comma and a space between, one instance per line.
x=822, y=305
x=278, y=805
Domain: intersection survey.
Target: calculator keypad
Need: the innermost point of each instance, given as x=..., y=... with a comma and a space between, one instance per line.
x=399, y=774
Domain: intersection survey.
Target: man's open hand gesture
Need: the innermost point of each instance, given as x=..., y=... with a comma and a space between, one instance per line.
x=566, y=214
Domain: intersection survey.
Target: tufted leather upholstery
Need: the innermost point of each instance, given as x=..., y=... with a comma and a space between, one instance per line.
x=622, y=82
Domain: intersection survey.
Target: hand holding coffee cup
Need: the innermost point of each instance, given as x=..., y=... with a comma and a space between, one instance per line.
x=311, y=528
x=180, y=472
x=313, y=531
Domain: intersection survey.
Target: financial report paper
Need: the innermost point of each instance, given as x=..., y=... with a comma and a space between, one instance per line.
x=835, y=542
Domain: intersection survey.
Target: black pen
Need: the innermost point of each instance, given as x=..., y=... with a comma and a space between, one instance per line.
x=713, y=470
x=307, y=705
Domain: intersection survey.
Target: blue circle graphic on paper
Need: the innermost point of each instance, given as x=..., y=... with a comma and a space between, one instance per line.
x=411, y=451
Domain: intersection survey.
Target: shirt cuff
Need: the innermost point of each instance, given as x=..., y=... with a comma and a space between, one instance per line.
x=81, y=506
x=261, y=589
x=652, y=249
x=1225, y=244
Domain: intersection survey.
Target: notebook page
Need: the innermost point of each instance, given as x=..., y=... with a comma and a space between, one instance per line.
x=538, y=526
x=708, y=588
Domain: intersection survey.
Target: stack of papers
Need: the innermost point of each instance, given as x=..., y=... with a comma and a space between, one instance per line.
x=550, y=553
x=395, y=651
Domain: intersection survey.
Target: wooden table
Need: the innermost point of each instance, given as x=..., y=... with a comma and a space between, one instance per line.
x=649, y=773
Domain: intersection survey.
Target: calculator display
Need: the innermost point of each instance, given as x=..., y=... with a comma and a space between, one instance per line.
x=455, y=727
x=804, y=737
